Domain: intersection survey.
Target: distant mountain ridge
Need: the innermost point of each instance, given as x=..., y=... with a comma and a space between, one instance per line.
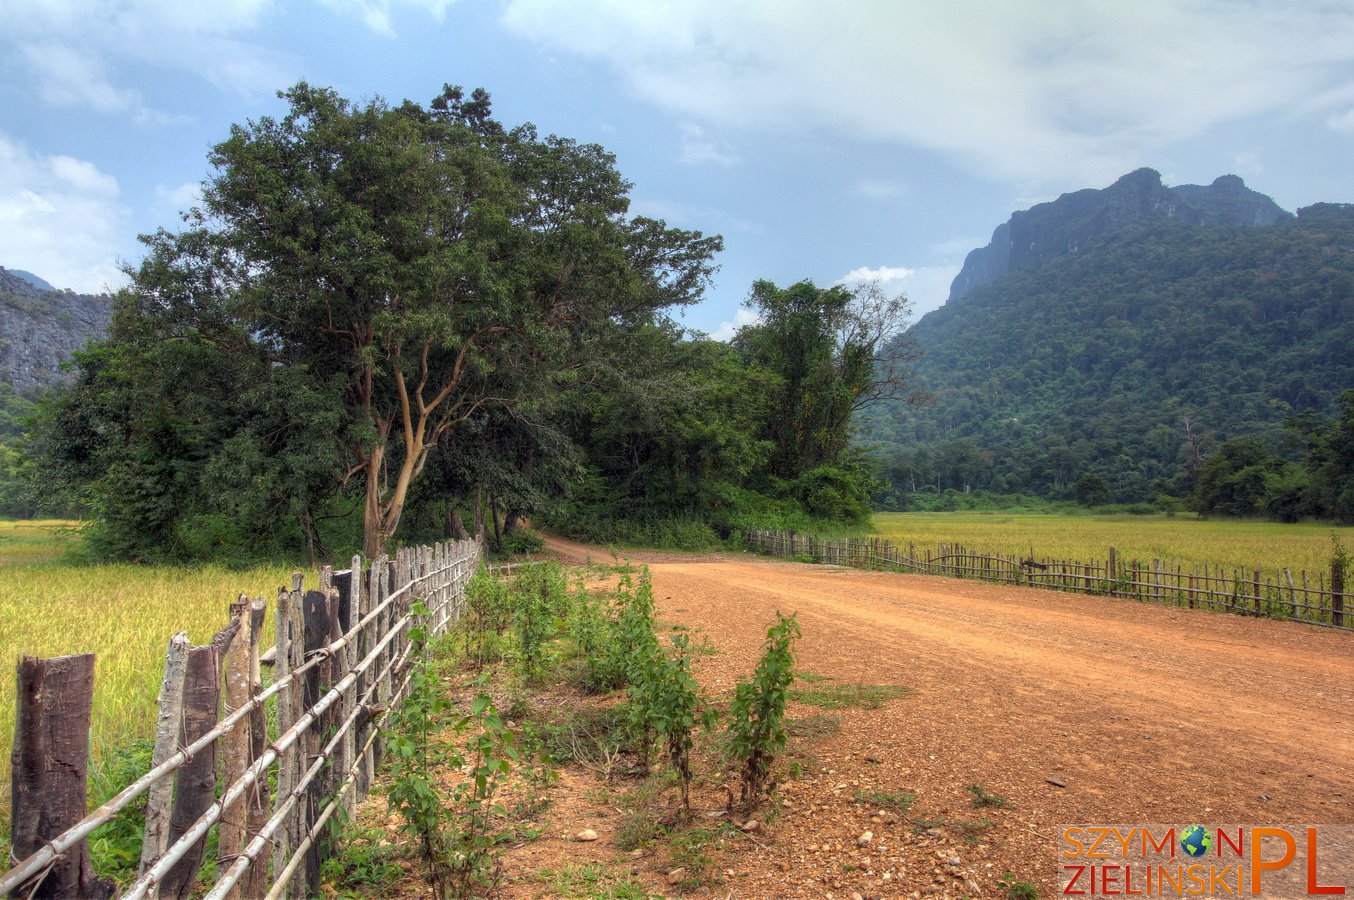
x=1076, y=221
x=40, y=329
x=1127, y=351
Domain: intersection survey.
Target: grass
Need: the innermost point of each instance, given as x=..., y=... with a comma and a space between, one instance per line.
x=123, y=613
x=898, y=801
x=1186, y=540
x=840, y=696
x=1015, y=889
x=982, y=797
x=32, y=541
x=596, y=881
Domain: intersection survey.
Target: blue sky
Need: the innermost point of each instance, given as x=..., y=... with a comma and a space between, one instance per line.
x=831, y=141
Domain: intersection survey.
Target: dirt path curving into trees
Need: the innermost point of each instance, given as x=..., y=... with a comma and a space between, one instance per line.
x=1146, y=714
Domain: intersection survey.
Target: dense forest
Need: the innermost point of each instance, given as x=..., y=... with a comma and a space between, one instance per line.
x=1125, y=368
x=389, y=321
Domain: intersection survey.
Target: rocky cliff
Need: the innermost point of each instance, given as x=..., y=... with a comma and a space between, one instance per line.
x=40, y=329
x=1036, y=236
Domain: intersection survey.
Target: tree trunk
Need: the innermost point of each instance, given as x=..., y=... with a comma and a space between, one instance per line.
x=455, y=527
x=493, y=514
x=479, y=514
x=373, y=538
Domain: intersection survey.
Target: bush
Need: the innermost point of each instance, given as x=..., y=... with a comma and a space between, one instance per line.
x=756, y=731
x=522, y=542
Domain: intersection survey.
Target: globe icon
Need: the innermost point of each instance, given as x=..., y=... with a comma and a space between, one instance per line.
x=1195, y=840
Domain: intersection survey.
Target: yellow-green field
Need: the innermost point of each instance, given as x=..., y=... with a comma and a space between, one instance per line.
x=124, y=613
x=1185, y=540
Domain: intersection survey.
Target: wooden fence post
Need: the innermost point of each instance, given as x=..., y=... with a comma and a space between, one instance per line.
x=195, y=781
x=285, y=768
x=1337, y=593
x=167, y=725
x=258, y=808
x=236, y=744
x=54, y=698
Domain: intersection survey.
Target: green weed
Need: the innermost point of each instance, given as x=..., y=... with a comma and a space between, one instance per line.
x=840, y=696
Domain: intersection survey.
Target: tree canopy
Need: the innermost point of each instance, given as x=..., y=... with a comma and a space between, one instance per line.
x=360, y=281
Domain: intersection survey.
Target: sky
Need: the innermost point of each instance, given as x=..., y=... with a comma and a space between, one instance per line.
x=839, y=142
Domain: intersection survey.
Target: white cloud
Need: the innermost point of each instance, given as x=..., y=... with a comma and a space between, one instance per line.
x=881, y=189
x=179, y=199
x=1076, y=90
x=376, y=14
x=699, y=148
x=1342, y=121
x=928, y=287
x=883, y=275
x=77, y=53
x=729, y=327
x=59, y=217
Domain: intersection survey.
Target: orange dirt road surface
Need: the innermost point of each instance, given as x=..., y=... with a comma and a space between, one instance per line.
x=1146, y=714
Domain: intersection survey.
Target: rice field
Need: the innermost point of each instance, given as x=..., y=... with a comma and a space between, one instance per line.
x=1185, y=540
x=124, y=613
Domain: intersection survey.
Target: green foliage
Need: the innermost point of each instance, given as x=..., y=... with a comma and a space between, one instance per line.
x=522, y=542
x=1091, y=490
x=665, y=704
x=1236, y=480
x=366, y=288
x=115, y=848
x=834, y=351
x=455, y=830
x=898, y=801
x=623, y=637
x=594, y=881
x=488, y=613
x=1132, y=360
x=982, y=798
x=362, y=867
x=539, y=598
x=755, y=733
x=840, y=696
x=1015, y=889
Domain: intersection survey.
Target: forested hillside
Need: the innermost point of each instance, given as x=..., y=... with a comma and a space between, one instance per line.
x=1130, y=361
x=40, y=327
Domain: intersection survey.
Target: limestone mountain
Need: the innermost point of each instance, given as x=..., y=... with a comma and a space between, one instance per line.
x=40, y=329
x=1077, y=221
x=1128, y=352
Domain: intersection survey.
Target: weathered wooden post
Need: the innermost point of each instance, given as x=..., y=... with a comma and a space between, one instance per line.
x=237, y=744
x=1337, y=592
x=258, y=808
x=54, y=699
x=286, y=770
x=167, y=726
x=195, y=781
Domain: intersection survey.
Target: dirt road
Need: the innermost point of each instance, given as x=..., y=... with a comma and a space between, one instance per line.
x=1145, y=714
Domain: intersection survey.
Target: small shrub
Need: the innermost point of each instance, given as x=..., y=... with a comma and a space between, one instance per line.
x=983, y=798
x=521, y=542
x=898, y=801
x=756, y=732
x=362, y=867
x=1014, y=889
x=665, y=706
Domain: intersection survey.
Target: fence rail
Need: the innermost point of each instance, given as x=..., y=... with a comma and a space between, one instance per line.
x=1317, y=600
x=342, y=657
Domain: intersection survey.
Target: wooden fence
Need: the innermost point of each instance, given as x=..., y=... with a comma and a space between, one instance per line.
x=1281, y=595
x=341, y=658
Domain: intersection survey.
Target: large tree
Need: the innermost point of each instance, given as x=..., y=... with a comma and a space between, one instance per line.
x=836, y=351
x=399, y=259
